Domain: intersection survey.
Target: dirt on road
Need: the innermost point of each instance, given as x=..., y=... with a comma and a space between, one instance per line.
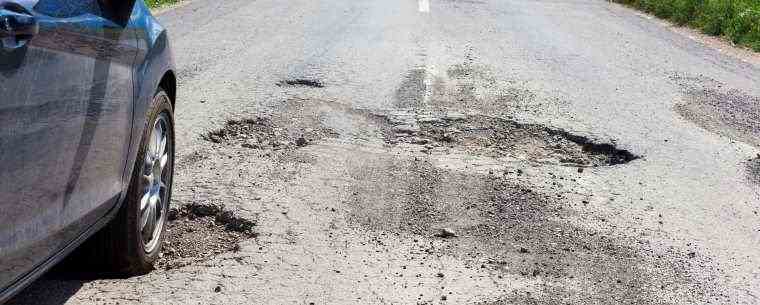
x=510, y=202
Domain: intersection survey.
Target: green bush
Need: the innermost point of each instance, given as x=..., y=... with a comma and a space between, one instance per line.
x=684, y=11
x=159, y=3
x=737, y=20
x=714, y=16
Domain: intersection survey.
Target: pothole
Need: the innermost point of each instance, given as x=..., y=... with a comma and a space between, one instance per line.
x=197, y=232
x=261, y=133
x=753, y=170
x=504, y=137
x=302, y=82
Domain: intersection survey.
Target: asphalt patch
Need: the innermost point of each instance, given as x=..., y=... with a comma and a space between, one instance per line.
x=504, y=137
x=717, y=108
x=509, y=228
x=412, y=90
x=197, y=232
x=469, y=87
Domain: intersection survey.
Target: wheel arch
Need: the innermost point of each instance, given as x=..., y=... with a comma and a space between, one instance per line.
x=169, y=84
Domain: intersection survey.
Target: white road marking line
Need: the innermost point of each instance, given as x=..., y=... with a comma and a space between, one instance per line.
x=428, y=83
x=424, y=6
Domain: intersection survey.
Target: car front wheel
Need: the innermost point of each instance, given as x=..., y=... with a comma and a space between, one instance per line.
x=132, y=241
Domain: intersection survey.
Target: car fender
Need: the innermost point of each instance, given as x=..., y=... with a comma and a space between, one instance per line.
x=153, y=62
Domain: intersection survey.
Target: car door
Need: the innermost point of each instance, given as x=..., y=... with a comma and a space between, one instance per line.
x=66, y=94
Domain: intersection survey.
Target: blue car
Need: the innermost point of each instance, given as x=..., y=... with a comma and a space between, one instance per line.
x=87, y=92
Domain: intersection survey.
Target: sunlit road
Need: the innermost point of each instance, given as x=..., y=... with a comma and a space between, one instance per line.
x=577, y=151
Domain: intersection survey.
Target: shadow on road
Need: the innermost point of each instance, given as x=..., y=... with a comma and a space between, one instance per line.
x=47, y=291
x=57, y=286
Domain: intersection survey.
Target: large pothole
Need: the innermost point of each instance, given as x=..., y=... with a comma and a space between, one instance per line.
x=197, y=232
x=261, y=133
x=503, y=137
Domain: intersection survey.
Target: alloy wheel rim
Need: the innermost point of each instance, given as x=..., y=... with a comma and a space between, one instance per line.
x=156, y=175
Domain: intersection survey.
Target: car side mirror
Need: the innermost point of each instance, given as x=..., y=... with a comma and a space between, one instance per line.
x=117, y=11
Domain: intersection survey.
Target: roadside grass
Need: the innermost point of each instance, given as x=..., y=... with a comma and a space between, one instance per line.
x=159, y=3
x=737, y=20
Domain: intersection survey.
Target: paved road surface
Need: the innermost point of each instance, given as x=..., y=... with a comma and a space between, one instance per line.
x=581, y=153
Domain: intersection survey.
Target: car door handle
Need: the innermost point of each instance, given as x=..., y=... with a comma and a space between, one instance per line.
x=18, y=25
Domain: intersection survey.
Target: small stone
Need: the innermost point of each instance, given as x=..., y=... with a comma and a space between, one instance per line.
x=454, y=116
x=173, y=214
x=439, y=274
x=446, y=233
x=218, y=289
x=420, y=141
x=214, y=139
x=448, y=138
x=301, y=142
x=523, y=250
x=200, y=209
x=407, y=129
x=580, y=170
x=443, y=298
x=428, y=119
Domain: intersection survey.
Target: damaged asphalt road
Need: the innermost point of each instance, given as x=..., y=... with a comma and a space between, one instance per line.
x=476, y=152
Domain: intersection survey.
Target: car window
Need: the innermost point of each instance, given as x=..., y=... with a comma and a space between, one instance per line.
x=67, y=8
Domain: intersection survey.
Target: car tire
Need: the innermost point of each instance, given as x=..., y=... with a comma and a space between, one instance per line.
x=122, y=242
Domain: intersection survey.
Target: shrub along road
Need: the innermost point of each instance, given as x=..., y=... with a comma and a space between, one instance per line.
x=737, y=20
x=460, y=152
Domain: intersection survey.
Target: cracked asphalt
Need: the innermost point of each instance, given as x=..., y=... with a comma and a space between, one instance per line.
x=451, y=152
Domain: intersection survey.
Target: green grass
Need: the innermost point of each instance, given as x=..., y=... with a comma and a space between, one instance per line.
x=737, y=20
x=159, y=3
